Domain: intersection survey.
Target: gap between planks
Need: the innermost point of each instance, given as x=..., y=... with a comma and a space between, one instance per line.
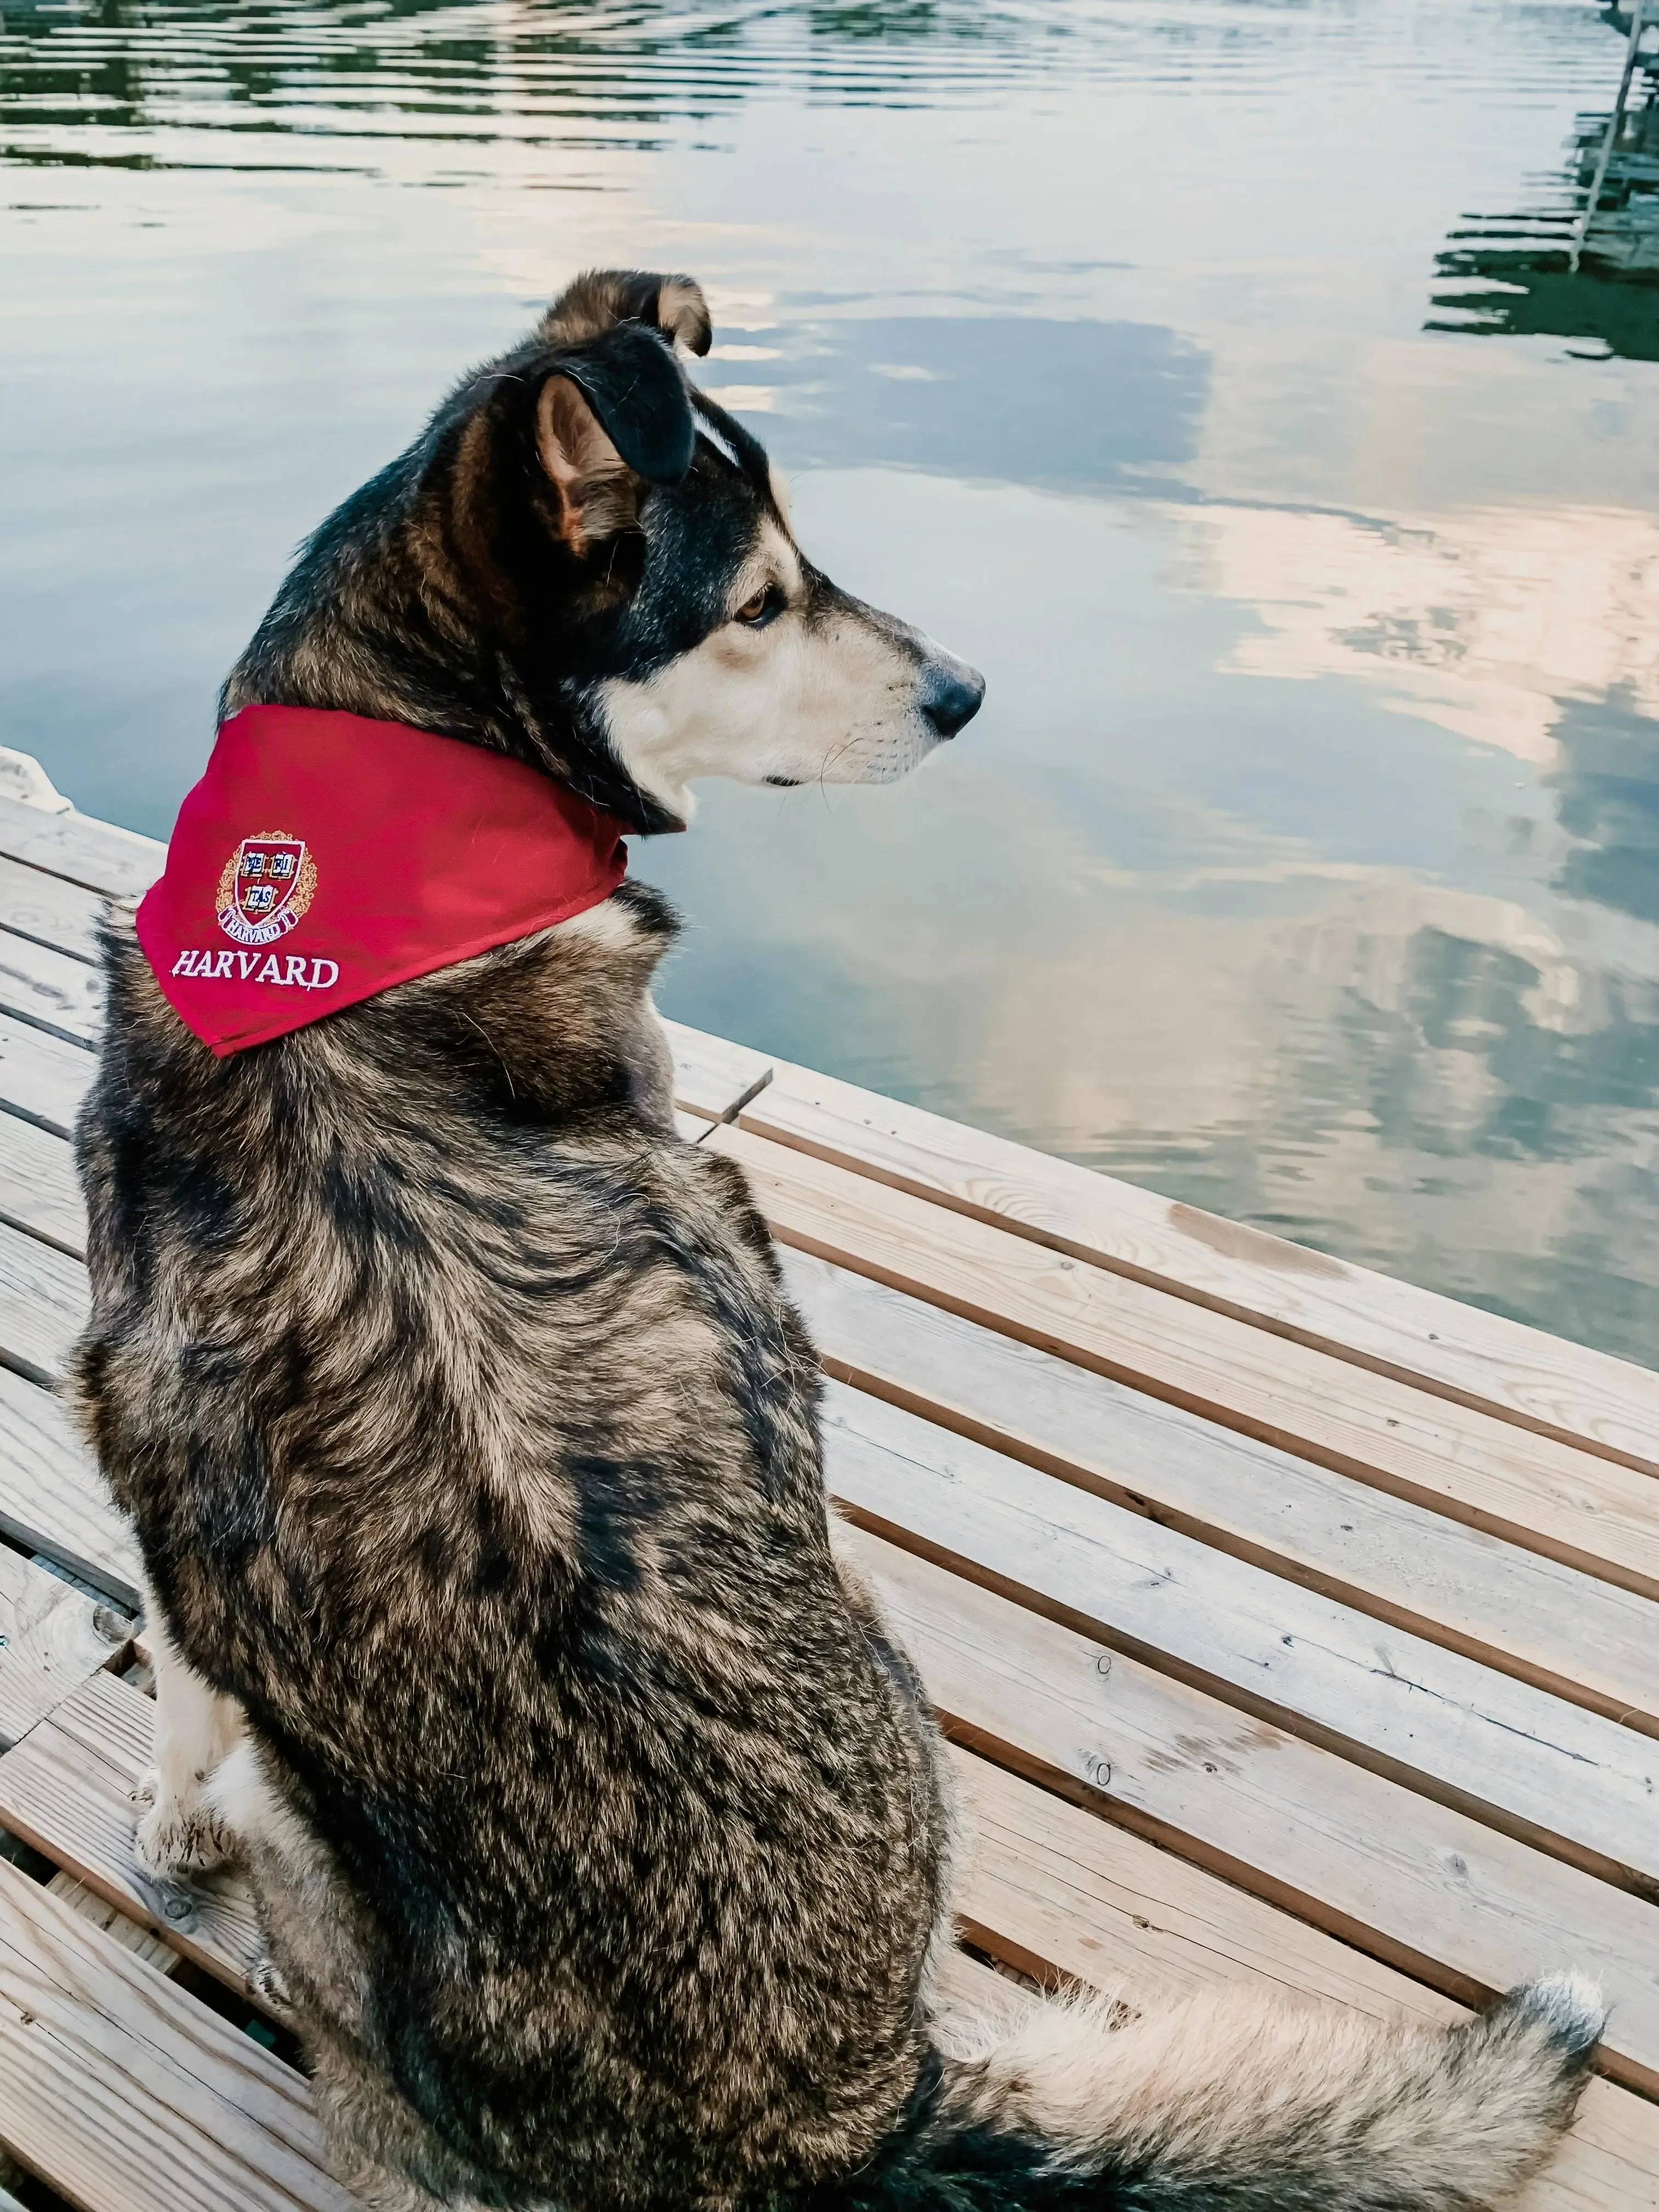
x=1060, y=1496
x=1414, y=1378
x=1586, y=1511
x=128, y=2095
x=1440, y=1345
x=1566, y=1781
x=1418, y=1884
x=1511, y=1608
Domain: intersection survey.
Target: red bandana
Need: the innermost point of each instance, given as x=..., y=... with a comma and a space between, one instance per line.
x=323, y=858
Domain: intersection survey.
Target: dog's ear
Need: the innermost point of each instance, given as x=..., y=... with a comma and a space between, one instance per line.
x=613, y=413
x=601, y=298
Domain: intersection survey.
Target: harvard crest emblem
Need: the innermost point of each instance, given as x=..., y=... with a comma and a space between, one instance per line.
x=268, y=883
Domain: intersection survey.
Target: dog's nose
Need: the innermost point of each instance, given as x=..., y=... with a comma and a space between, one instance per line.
x=950, y=696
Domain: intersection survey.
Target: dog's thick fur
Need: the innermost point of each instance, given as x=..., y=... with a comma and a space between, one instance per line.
x=597, y=1824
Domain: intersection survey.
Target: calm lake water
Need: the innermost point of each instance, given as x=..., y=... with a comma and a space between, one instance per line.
x=1207, y=372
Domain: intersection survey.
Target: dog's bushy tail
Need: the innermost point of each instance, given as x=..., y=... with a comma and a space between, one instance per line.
x=1233, y=2102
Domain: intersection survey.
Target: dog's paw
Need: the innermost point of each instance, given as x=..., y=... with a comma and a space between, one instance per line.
x=177, y=1836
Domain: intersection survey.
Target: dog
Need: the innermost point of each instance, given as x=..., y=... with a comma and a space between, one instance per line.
x=599, y=1829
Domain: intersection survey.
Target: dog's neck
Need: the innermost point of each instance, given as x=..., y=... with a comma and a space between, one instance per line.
x=393, y=612
x=553, y=1028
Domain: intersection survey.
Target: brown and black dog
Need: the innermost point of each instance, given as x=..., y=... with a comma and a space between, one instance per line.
x=598, y=1826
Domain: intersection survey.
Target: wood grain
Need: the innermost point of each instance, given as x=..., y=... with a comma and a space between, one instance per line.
x=132, y=1935
x=1578, y=1637
x=125, y=2093
x=52, y=1499
x=1065, y=1896
x=42, y=1078
x=39, y=1188
x=52, y=1638
x=49, y=910
x=1046, y=1885
x=97, y=855
x=50, y=990
x=1058, y=1894
x=1570, y=1781
x=67, y=1790
x=1586, y=1511
x=1414, y=1883
x=1517, y=1374
x=44, y=1301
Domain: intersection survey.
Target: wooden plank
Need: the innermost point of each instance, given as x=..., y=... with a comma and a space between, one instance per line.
x=68, y=1789
x=132, y=1935
x=49, y=910
x=1065, y=1897
x=969, y=1998
x=1608, y=2163
x=1583, y=1639
x=1569, y=1781
x=50, y=990
x=1048, y=1887
x=39, y=1191
x=97, y=855
x=52, y=1638
x=42, y=1078
x=52, y=1499
x=1517, y=1374
x=1584, y=1511
x=44, y=1301
x=22, y=778
x=1412, y=1882
x=125, y=2093
x=713, y=1078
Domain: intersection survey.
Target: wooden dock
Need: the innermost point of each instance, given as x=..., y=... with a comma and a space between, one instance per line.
x=1288, y=1622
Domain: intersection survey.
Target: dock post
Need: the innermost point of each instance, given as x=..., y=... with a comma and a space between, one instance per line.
x=1610, y=137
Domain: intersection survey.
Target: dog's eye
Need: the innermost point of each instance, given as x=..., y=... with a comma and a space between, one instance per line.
x=765, y=607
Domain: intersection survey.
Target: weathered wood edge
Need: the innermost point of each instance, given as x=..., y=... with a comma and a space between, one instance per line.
x=1437, y=1344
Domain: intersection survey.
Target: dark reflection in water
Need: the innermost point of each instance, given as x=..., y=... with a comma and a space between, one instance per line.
x=1512, y=275
x=483, y=72
x=1608, y=788
x=1304, y=863
x=1526, y=291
